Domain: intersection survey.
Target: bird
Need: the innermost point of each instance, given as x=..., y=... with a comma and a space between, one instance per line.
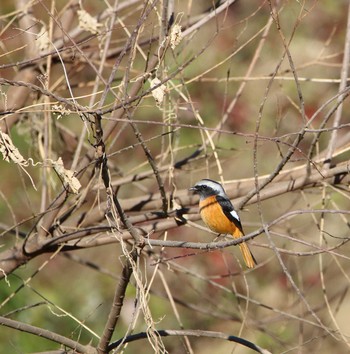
x=218, y=213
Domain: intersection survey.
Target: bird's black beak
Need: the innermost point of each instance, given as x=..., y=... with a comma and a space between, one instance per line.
x=193, y=189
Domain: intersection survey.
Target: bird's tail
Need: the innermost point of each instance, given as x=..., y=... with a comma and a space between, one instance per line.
x=247, y=255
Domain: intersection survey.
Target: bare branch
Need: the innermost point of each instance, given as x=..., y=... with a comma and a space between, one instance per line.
x=196, y=333
x=44, y=333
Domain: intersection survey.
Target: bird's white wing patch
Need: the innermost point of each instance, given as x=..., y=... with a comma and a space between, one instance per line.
x=235, y=215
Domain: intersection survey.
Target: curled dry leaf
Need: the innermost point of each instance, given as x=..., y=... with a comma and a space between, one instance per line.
x=66, y=175
x=159, y=92
x=60, y=110
x=11, y=153
x=88, y=23
x=175, y=36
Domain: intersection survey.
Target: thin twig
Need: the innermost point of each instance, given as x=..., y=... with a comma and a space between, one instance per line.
x=344, y=79
x=196, y=333
x=118, y=301
x=44, y=333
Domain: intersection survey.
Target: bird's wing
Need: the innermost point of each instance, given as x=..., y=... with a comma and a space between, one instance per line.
x=229, y=211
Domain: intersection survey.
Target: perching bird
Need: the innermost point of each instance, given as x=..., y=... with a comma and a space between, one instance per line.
x=219, y=215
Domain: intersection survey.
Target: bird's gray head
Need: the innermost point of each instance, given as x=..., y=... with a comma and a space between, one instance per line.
x=207, y=187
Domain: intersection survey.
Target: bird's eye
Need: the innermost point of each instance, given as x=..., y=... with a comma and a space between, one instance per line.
x=204, y=186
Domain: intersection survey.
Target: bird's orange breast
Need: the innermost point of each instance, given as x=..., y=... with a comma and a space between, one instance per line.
x=214, y=217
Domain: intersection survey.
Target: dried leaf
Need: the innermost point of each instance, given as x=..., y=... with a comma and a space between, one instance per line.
x=159, y=92
x=175, y=36
x=60, y=110
x=67, y=175
x=11, y=153
x=88, y=23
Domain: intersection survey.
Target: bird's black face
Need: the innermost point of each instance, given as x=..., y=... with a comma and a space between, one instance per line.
x=206, y=188
x=200, y=189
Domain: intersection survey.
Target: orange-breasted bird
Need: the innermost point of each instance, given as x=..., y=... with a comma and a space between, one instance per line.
x=219, y=215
